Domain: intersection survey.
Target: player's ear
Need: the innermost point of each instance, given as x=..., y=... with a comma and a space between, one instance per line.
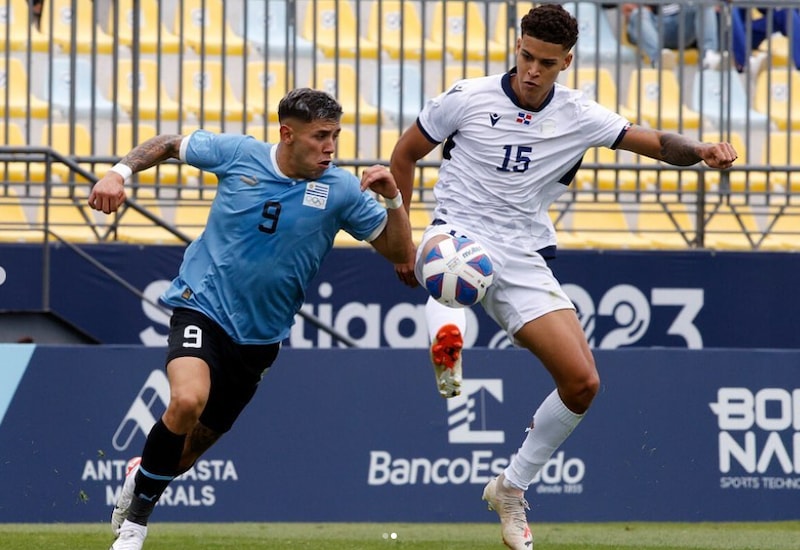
x=567, y=62
x=286, y=133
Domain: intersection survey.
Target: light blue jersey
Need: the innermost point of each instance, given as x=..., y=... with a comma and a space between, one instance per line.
x=265, y=238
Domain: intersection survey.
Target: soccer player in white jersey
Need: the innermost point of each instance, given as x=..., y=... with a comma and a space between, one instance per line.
x=277, y=210
x=512, y=144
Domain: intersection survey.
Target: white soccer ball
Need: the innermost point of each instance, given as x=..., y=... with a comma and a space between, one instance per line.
x=457, y=272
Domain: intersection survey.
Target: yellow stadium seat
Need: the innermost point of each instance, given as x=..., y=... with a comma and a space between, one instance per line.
x=208, y=94
x=130, y=226
x=203, y=27
x=68, y=140
x=455, y=72
x=152, y=35
x=665, y=178
x=14, y=224
x=341, y=81
x=153, y=100
x=266, y=85
x=332, y=25
x=459, y=28
x=69, y=216
x=784, y=233
x=11, y=134
x=730, y=228
x=598, y=85
x=777, y=93
x=396, y=26
x=191, y=217
x=777, y=46
x=88, y=35
x=14, y=82
x=782, y=149
x=16, y=28
x=605, y=225
x=665, y=225
x=606, y=179
x=654, y=97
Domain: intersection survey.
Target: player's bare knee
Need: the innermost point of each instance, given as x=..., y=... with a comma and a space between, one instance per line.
x=579, y=393
x=183, y=411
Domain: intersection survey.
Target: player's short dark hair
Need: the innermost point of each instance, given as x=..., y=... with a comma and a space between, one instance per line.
x=306, y=105
x=551, y=23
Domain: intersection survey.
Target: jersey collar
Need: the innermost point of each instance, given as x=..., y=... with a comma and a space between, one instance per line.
x=509, y=91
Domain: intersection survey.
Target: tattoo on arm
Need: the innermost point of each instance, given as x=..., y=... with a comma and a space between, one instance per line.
x=153, y=151
x=678, y=150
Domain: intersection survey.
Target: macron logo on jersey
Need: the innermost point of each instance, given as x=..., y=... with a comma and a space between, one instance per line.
x=493, y=118
x=316, y=195
x=524, y=118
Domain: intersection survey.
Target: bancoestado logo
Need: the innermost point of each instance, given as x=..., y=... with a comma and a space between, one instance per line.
x=759, y=438
x=468, y=424
x=193, y=488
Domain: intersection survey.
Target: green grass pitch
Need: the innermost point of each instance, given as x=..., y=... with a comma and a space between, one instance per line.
x=377, y=536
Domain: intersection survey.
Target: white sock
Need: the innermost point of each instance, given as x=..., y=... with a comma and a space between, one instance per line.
x=552, y=424
x=438, y=315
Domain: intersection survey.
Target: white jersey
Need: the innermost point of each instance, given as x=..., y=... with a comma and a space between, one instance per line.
x=503, y=165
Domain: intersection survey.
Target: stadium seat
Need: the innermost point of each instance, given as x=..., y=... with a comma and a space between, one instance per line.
x=397, y=28
x=14, y=85
x=777, y=47
x=208, y=95
x=266, y=85
x=453, y=72
x=80, y=79
x=191, y=217
x=606, y=179
x=784, y=232
x=130, y=226
x=86, y=37
x=16, y=31
x=153, y=100
x=598, y=84
x=604, y=225
x=68, y=140
x=342, y=82
x=204, y=28
x=782, y=149
x=506, y=30
x=399, y=93
x=721, y=98
x=334, y=27
x=662, y=177
x=459, y=28
x=730, y=228
x=18, y=171
x=68, y=215
x=777, y=92
x=151, y=36
x=667, y=226
x=654, y=97
x=14, y=224
x=598, y=43
x=271, y=30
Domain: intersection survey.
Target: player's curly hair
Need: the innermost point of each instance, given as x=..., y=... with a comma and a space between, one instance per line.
x=306, y=104
x=551, y=23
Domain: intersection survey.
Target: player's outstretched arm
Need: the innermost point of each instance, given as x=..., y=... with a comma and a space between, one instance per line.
x=677, y=149
x=108, y=193
x=411, y=147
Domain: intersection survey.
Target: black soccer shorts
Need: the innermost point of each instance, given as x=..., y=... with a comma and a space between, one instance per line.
x=236, y=369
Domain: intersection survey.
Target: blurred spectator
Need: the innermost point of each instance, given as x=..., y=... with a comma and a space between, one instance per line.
x=783, y=20
x=36, y=10
x=661, y=28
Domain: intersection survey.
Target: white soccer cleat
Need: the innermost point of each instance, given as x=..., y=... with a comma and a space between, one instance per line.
x=120, y=512
x=131, y=537
x=510, y=506
x=446, y=359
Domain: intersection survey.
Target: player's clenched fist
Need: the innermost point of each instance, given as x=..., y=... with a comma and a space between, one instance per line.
x=108, y=193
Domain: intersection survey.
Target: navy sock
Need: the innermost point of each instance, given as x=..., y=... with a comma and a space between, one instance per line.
x=160, y=458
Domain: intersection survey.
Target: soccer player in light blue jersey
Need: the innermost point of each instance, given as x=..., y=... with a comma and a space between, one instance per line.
x=512, y=144
x=277, y=210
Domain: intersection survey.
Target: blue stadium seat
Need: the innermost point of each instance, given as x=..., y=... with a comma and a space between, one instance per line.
x=597, y=41
x=88, y=100
x=269, y=29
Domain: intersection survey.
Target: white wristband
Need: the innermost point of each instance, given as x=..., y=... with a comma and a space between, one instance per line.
x=123, y=170
x=395, y=203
